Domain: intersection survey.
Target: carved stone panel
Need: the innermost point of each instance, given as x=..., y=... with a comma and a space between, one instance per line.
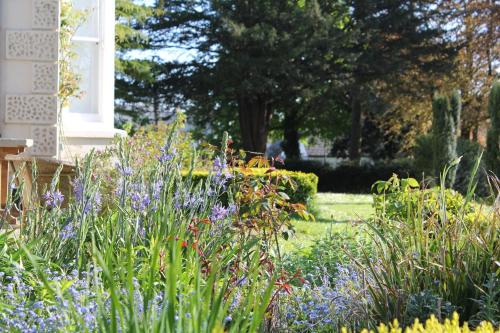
x=44, y=78
x=46, y=14
x=33, y=109
x=32, y=45
x=44, y=140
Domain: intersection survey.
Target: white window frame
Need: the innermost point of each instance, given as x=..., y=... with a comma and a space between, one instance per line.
x=102, y=119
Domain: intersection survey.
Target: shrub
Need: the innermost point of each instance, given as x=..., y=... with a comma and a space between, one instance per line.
x=424, y=245
x=469, y=151
x=433, y=325
x=493, y=144
x=300, y=187
x=396, y=198
x=445, y=126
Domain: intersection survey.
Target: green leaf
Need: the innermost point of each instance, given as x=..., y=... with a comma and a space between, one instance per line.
x=412, y=182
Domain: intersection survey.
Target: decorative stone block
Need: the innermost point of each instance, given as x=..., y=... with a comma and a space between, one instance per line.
x=32, y=45
x=33, y=109
x=44, y=141
x=45, y=78
x=45, y=14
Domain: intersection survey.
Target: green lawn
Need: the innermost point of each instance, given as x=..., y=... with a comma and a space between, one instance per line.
x=333, y=211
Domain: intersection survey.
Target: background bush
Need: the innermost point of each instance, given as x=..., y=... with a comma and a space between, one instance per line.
x=397, y=199
x=301, y=189
x=470, y=152
x=424, y=260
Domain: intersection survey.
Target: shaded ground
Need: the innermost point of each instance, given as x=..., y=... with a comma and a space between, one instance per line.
x=333, y=211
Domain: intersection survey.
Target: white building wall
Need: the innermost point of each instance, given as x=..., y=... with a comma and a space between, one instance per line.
x=28, y=72
x=29, y=81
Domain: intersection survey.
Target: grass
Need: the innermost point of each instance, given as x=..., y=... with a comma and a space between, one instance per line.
x=333, y=211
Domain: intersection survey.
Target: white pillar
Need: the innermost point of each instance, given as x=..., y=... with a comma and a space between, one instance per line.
x=29, y=51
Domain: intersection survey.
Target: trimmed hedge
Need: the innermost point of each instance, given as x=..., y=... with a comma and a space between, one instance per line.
x=306, y=184
x=350, y=178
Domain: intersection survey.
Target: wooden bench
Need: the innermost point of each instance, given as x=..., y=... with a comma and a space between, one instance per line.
x=13, y=162
x=9, y=147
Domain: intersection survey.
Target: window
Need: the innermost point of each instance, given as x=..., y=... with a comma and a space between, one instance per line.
x=87, y=44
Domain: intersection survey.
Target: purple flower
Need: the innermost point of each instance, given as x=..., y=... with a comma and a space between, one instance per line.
x=68, y=232
x=90, y=201
x=165, y=156
x=221, y=173
x=219, y=164
x=140, y=201
x=125, y=171
x=53, y=199
x=157, y=187
x=78, y=189
x=218, y=213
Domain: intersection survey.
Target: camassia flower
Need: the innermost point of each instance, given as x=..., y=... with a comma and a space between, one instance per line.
x=53, y=199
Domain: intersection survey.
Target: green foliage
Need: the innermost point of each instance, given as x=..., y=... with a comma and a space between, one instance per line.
x=428, y=241
x=424, y=304
x=469, y=151
x=298, y=186
x=328, y=253
x=129, y=17
x=423, y=153
x=445, y=126
x=139, y=90
x=396, y=199
x=489, y=302
x=141, y=266
x=255, y=63
x=69, y=79
x=493, y=139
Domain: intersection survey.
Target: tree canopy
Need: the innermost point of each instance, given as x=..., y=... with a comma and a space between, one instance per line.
x=295, y=69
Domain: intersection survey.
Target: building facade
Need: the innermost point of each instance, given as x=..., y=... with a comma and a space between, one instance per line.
x=30, y=107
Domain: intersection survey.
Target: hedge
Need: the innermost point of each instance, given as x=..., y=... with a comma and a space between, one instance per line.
x=305, y=184
x=351, y=178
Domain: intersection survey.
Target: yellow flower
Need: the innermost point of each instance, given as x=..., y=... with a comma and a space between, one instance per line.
x=432, y=325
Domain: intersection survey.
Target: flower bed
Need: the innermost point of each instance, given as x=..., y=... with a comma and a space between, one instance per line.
x=141, y=245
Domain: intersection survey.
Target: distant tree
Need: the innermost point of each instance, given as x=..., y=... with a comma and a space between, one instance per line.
x=388, y=39
x=493, y=140
x=133, y=98
x=475, y=27
x=145, y=91
x=445, y=126
x=255, y=61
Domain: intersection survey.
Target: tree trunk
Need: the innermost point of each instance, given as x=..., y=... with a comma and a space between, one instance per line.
x=356, y=113
x=156, y=109
x=291, y=136
x=254, y=117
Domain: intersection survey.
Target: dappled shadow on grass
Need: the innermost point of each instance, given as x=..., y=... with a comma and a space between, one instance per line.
x=333, y=212
x=345, y=203
x=337, y=221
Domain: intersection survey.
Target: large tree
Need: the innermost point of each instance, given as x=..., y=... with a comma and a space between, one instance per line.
x=253, y=60
x=389, y=39
x=477, y=31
